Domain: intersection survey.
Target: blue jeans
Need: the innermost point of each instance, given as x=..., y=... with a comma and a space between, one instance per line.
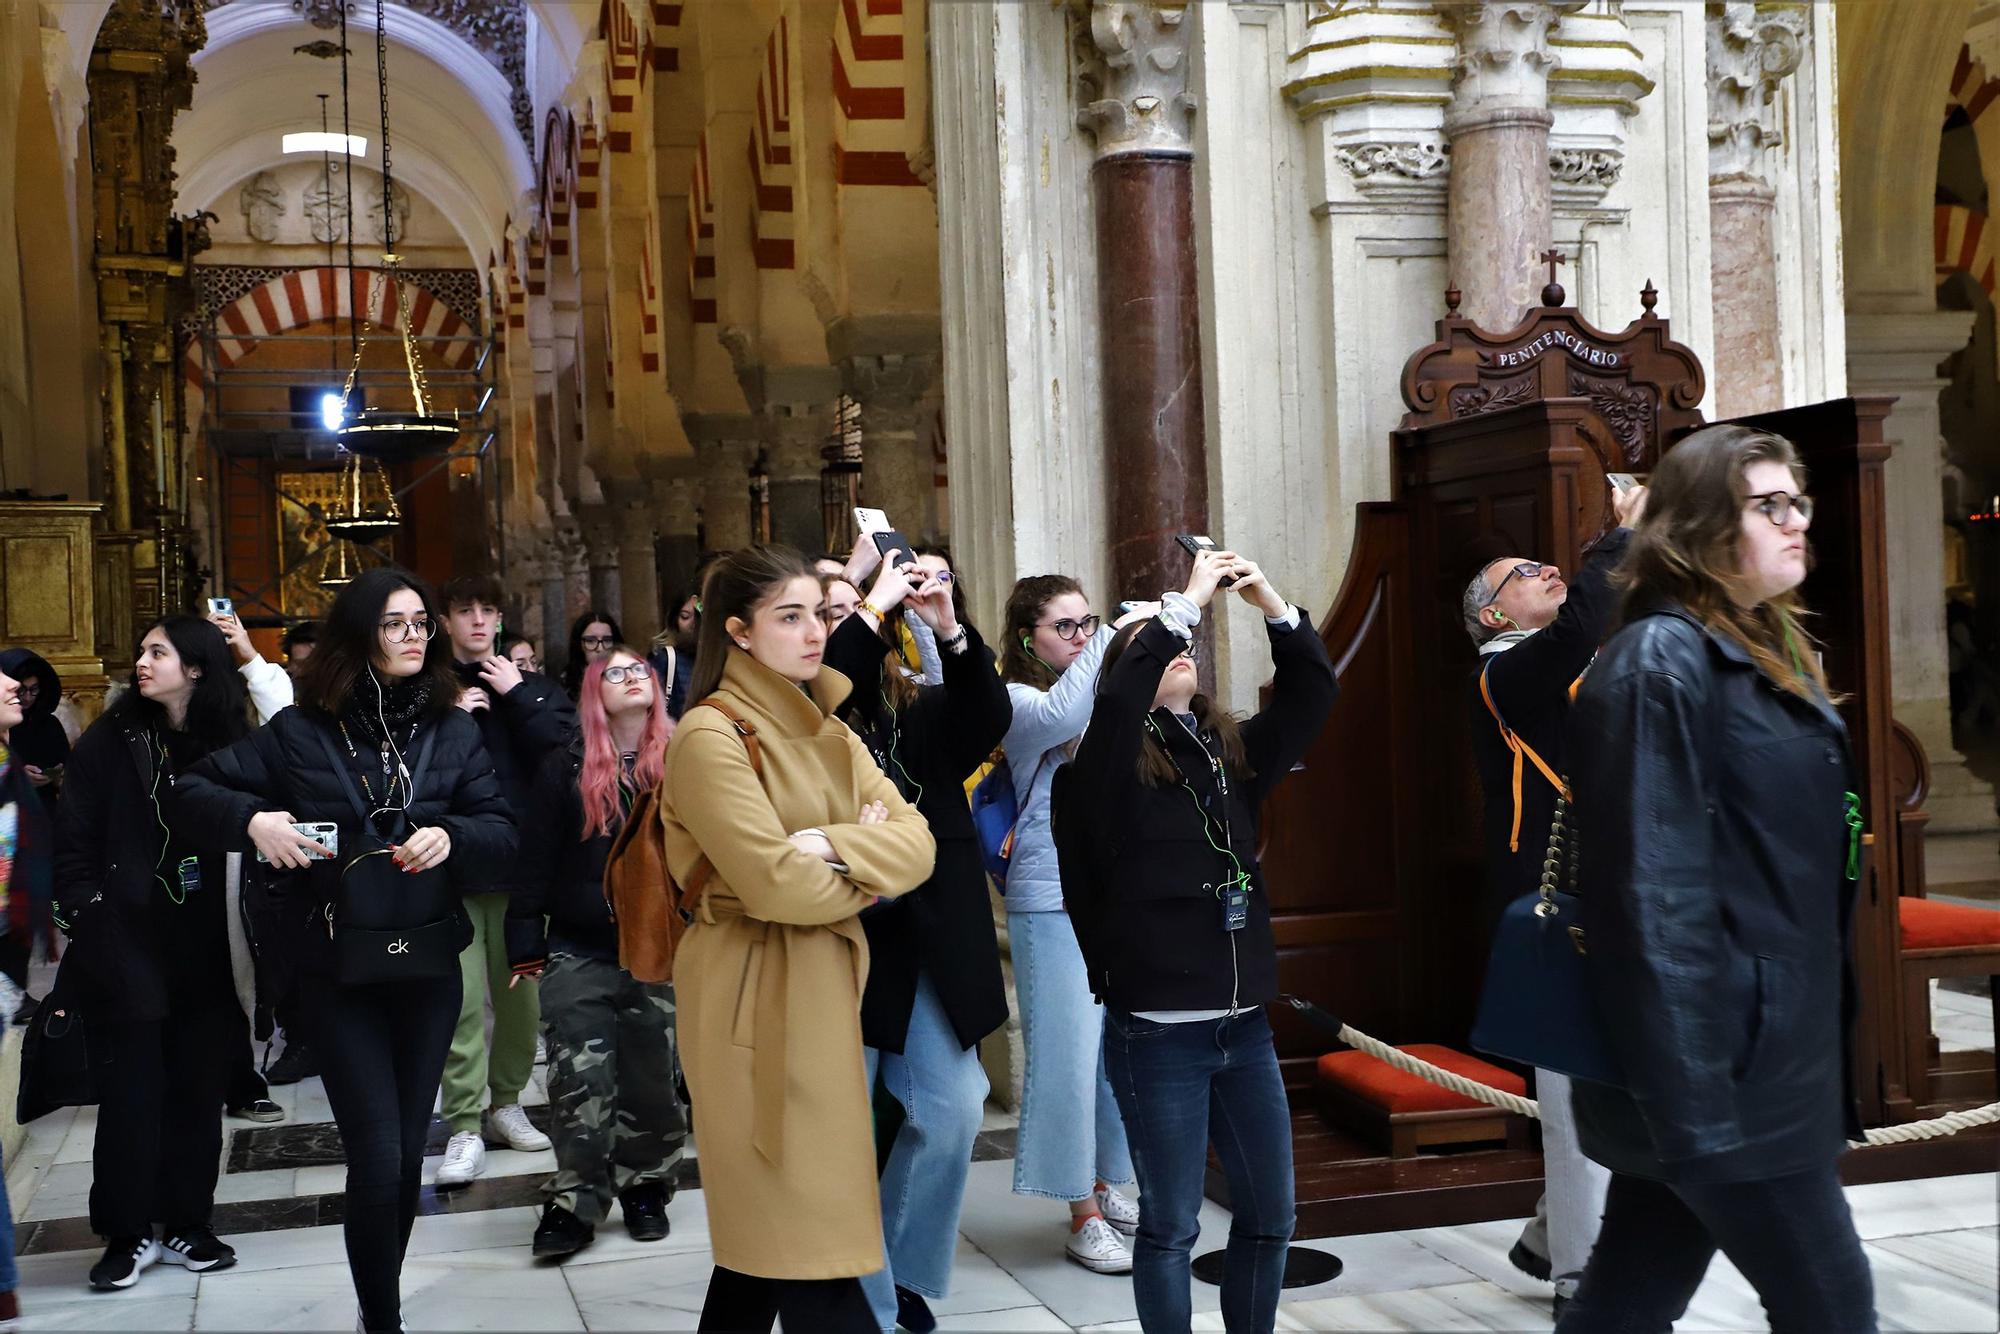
x=942, y=1088
x=1793, y=1238
x=1071, y=1135
x=1184, y=1086
x=10, y=1277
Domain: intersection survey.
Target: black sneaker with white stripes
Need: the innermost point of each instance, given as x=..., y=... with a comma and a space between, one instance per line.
x=199, y=1250
x=124, y=1260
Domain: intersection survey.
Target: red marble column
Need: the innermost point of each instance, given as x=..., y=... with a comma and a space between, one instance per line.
x=1149, y=319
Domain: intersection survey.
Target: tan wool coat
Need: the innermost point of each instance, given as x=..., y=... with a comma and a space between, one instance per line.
x=768, y=978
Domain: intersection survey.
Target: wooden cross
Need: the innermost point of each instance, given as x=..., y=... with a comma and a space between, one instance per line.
x=1553, y=258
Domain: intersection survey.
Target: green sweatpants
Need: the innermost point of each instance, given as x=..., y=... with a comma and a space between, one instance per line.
x=470, y=1070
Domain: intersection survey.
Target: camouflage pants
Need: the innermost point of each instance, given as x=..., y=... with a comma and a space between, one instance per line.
x=615, y=1118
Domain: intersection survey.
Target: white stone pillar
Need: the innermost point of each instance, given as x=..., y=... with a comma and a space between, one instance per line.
x=1751, y=49
x=1899, y=353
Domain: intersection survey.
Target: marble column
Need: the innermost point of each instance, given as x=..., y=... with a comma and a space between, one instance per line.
x=1498, y=123
x=724, y=448
x=1900, y=353
x=600, y=541
x=675, y=493
x=638, y=604
x=794, y=437
x=897, y=472
x=1133, y=98
x=1751, y=49
x=562, y=598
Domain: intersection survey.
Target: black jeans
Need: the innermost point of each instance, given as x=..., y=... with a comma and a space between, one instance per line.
x=745, y=1304
x=1793, y=1238
x=159, y=1122
x=381, y=1052
x=243, y=1084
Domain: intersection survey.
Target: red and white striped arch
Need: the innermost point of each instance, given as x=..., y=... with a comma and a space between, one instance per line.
x=771, y=175
x=869, y=107
x=701, y=238
x=1964, y=244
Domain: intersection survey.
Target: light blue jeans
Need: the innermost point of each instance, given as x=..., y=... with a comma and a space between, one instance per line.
x=10, y=1277
x=942, y=1088
x=1071, y=1135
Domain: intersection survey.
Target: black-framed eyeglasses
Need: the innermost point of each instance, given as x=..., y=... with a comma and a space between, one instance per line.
x=1068, y=628
x=618, y=676
x=1777, y=506
x=1527, y=569
x=598, y=641
x=397, y=632
x=1192, y=652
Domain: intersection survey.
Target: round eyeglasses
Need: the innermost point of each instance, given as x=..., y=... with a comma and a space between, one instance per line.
x=1068, y=628
x=398, y=632
x=598, y=641
x=1777, y=506
x=618, y=676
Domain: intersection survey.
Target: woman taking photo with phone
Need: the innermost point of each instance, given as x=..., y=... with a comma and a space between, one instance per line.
x=142, y=902
x=780, y=829
x=1072, y=1143
x=375, y=748
x=1157, y=820
x=934, y=987
x=1714, y=790
x=617, y=1123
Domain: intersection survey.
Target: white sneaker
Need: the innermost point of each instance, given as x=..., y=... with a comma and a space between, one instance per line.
x=464, y=1159
x=541, y=1047
x=1097, y=1248
x=1118, y=1211
x=510, y=1128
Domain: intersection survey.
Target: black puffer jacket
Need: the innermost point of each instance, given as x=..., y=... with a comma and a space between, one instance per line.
x=283, y=766
x=38, y=739
x=945, y=926
x=559, y=902
x=1716, y=903
x=521, y=729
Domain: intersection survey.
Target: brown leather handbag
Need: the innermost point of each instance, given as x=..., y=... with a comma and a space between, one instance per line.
x=651, y=910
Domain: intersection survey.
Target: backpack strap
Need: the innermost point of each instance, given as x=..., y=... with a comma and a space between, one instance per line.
x=340, y=771
x=704, y=870
x=1520, y=749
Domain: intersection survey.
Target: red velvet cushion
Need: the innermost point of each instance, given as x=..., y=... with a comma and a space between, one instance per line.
x=1930, y=925
x=1385, y=1086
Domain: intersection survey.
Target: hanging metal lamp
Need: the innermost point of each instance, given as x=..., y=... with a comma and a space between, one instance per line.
x=340, y=567
x=367, y=510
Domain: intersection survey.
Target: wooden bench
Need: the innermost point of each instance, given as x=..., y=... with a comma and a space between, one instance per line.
x=1402, y=1113
x=1945, y=940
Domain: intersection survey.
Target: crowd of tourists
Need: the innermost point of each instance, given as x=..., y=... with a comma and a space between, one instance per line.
x=400, y=859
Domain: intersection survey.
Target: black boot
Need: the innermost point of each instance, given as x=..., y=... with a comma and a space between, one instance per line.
x=645, y=1211
x=561, y=1233
x=913, y=1312
x=294, y=1063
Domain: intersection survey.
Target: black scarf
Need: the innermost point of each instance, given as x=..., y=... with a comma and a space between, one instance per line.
x=402, y=701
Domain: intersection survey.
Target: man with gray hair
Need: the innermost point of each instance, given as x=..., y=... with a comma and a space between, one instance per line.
x=1536, y=634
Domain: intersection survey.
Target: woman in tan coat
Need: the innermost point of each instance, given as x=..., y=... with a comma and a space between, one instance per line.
x=769, y=976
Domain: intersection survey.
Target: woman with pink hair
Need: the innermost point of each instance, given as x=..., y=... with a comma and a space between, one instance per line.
x=617, y=1122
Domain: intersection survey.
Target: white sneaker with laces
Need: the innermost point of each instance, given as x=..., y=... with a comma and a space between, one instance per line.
x=1118, y=1211
x=510, y=1128
x=1099, y=1249
x=464, y=1159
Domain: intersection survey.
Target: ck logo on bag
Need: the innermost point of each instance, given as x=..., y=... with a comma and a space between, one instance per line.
x=399, y=946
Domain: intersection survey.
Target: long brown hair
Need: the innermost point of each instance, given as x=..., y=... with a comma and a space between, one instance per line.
x=1688, y=546
x=735, y=586
x=1031, y=596
x=349, y=636
x=1156, y=767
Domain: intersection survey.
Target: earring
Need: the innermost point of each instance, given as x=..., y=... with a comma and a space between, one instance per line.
x=743, y=644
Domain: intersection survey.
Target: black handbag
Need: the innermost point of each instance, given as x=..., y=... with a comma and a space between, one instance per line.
x=1537, y=1007
x=367, y=919
x=55, y=1056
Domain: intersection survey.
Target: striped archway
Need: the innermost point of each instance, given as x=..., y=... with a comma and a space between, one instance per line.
x=1964, y=244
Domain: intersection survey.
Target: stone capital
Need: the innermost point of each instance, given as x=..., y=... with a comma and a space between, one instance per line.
x=1504, y=57
x=722, y=460
x=794, y=437
x=1132, y=75
x=599, y=522
x=1751, y=49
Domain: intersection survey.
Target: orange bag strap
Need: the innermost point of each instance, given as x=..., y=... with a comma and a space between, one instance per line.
x=1520, y=748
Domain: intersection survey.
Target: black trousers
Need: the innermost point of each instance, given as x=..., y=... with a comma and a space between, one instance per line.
x=159, y=1122
x=745, y=1304
x=243, y=1084
x=381, y=1054
x=1793, y=1238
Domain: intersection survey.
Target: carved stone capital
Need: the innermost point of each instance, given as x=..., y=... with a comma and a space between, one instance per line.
x=1132, y=78
x=1751, y=49
x=794, y=436
x=1504, y=58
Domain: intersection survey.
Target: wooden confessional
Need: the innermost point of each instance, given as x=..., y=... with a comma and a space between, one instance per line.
x=1372, y=853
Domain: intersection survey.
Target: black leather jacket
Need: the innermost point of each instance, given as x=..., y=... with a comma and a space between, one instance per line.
x=1717, y=906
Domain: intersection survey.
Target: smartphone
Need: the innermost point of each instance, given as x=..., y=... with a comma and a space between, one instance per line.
x=875, y=524
x=326, y=834
x=1623, y=481
x=870, y=521
x=1195, y=544
x=221, y=607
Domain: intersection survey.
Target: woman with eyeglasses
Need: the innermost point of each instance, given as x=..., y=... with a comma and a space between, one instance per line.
x=1721, y=832
x=617, y=1123
x=144, y=903
x=1157, y=822
x=375, y=748
x=1072, y=1144
x=592, y=636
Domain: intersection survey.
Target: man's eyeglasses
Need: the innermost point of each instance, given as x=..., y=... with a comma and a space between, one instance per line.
x=618, y=676
x=1068, y=628
x=1527, y=569
x=598, y=641
x=1777, y=506
x=398, y=632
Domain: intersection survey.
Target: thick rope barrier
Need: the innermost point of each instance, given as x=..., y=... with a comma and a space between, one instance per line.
x=1949, y=1124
